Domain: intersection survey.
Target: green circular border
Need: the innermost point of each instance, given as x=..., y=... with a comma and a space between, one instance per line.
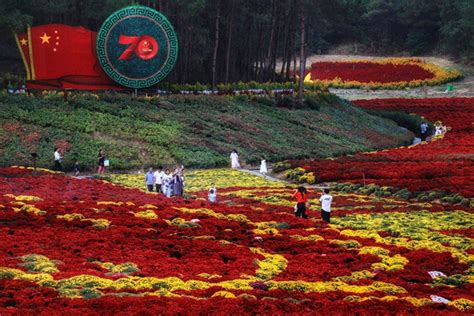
x=101, y=49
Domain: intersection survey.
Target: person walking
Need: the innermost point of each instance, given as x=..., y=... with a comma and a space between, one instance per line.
x=234, y=160
x=326, y=200
x=77, y=169
x=301, y=196
x=263, y=167
x=101, y=160
x=150, y=180
x=166, y=186
x=178, y=181
x=159, y=174
x=57, y=159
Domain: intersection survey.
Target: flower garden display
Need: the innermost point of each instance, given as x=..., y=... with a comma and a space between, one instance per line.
x=387, y=73
x=444, y=164
x=93, y=247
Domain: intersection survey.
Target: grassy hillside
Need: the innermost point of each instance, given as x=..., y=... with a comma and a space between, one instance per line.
x=198, y=131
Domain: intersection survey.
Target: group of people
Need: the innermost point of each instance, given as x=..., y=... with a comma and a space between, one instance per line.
x=166, y=182
x=301, y=196
x=172, y=183
x=102, y=161
x=440, y=129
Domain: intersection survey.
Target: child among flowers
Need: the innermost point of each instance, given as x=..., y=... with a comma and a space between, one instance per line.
x=212, y=196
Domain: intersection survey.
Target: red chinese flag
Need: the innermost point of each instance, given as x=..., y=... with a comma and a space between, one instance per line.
x=63, y=56
x=61, y=50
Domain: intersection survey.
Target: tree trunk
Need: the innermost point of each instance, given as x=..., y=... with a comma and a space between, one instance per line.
x=286, y=41
x=248, y=53
x=267, y=60
x=216, y=46
x=294, y=60
x=302, y=55
x=290, y=54
x=279, y=29
x=229, y=41
x=258, y=53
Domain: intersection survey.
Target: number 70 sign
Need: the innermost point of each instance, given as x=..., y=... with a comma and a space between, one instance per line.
x=145, y=47
x=137, y=46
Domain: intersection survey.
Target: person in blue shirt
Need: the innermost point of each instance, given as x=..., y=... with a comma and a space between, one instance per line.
x=423, y=131
x=150, y=180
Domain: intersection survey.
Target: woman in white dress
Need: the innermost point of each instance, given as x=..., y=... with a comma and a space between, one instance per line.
x=234, y=160
x=166, y=183
x=263, y=167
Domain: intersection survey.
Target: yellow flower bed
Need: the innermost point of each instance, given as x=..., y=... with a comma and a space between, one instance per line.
x=29, y=209
x=200, y=180
x=417, y=225
x=39, y=264
x=272, y=265
x=125, y=268
x=24, y=197
x=37, y=169
x=100, y=223
x=147, y=214
x=307, y=238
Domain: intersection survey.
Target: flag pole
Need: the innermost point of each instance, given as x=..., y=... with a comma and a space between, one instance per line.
x=23, y=58
x=30, y=47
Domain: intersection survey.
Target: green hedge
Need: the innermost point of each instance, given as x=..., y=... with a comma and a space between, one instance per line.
x=408, y=121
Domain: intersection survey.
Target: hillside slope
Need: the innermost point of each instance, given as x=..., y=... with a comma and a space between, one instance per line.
x=198, y=131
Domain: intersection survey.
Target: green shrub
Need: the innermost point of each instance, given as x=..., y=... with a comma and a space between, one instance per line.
x=198, y=131
x=308, y=177
x=295, y=174
x=465, y=202
x=285, y=101
x=409, y=121
x=403, y=194
x=281, y=166
x=453, y=280
x=264, y=100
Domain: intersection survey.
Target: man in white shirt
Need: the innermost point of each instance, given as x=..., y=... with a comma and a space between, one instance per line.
x=57, y=159
x=159, y=174
x=326, y=200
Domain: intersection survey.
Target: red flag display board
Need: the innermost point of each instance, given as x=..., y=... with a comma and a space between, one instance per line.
x=58, y=56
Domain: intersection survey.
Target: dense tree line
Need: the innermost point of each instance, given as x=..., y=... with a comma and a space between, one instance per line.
x=229, y=40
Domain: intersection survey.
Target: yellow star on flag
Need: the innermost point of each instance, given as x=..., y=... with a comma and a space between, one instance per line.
x=45, y=38
x=23, y=41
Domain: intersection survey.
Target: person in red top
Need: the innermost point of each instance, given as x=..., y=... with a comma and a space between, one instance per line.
x=301, y=196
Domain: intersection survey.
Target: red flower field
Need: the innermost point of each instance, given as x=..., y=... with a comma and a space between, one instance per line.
x=88, y=246
x=445, y=164
x=368, y=72
x=385, y=73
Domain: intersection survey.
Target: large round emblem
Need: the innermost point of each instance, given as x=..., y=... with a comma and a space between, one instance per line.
x=137, y=46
